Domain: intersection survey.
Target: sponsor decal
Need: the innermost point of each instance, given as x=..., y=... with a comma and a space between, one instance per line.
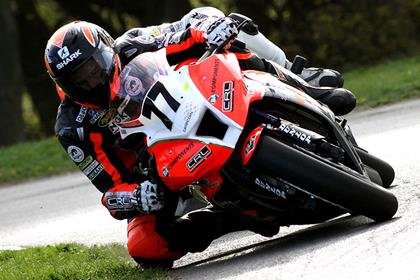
x=107, y=117
x=122, y=201
x=90, y=168
x=75, y=153
x=96, y=172
x=228, y=93
x=198, y=158
x=213, y=98
x=86, y=162
x=112, y=119
x=165, y=172
x=266, y=186
x=113, y=125
x=96, y=115
x=187, y=119
x=82, y=114
x=133, y=86
x=250, y=145
x=63, y=52
x=180, y=155
x=214, y=76
x=67, y=58
x=155, y=31
x=295, y=133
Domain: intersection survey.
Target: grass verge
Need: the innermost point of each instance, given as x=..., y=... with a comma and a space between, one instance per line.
x=71, y=261
x=385, y=83
x=35, y=159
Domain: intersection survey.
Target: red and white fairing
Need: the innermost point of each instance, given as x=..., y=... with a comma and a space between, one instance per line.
x=214, y=86
x=178, y=103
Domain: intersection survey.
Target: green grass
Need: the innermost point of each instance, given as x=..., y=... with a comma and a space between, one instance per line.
x=385, y=83
x=71, y=261
x=35, y=159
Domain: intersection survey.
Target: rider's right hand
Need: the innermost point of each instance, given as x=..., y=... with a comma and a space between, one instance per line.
x=148, y=197
x=221, y=32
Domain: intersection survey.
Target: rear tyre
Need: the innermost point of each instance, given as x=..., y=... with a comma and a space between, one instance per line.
x=323, y=180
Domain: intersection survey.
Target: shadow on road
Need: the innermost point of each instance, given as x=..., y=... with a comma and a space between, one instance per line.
x=283, y=249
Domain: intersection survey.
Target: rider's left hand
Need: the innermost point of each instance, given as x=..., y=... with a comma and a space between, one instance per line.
x=221, y=32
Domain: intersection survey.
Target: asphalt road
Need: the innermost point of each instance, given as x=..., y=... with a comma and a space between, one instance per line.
x=66, y=209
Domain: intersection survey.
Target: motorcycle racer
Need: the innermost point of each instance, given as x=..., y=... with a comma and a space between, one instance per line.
x=81, y=60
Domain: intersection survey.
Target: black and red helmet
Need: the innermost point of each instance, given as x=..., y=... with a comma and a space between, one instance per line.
x=79, y=57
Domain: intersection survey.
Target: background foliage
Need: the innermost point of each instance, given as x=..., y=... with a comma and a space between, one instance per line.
x=340, y=34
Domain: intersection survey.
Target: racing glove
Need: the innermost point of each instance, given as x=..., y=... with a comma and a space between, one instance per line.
x=148, y=197
x=221, y=32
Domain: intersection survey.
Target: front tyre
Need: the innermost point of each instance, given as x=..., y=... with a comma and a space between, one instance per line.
x=384, y=169
x=323, y=180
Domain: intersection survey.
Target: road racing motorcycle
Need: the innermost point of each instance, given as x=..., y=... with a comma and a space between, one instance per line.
x=273, y=146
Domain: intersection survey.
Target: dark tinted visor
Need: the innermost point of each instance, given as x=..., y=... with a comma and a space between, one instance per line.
x=89, y=83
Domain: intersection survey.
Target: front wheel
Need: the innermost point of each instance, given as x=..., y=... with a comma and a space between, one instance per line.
x=383, y=169
x=324, y=181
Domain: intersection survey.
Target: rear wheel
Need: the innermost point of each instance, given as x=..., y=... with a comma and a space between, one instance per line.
x=324, y=181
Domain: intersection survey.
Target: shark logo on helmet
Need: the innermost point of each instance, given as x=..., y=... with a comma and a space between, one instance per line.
x=67, y=57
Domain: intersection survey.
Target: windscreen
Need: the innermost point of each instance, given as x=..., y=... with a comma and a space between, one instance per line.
x=135, y=81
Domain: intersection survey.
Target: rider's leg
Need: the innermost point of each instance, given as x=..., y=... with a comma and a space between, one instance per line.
x=196, y=230
x=341, y=101
x=155, y=241
x=264, y=48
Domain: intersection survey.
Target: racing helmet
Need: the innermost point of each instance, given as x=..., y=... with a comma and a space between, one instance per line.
x=80, y=59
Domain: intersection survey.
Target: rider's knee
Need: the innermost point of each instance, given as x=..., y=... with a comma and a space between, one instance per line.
x=145, y=245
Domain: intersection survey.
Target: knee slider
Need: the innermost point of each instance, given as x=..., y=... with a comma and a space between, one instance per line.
x=145, y=243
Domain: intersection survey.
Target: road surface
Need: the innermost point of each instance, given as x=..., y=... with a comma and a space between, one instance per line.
x=67, y=209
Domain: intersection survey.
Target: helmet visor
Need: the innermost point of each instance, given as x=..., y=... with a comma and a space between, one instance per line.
x=89, y=83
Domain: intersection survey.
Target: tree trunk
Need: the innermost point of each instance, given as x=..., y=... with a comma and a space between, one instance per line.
x=11, y=121
x=33, y=35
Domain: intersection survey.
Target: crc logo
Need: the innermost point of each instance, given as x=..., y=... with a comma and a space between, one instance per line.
x=198, y=158
x=228, y=92
x=63, y=52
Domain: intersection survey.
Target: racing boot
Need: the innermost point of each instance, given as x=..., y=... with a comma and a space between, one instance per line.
x=319, y=77
x=316, y=77
x=341, y=101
